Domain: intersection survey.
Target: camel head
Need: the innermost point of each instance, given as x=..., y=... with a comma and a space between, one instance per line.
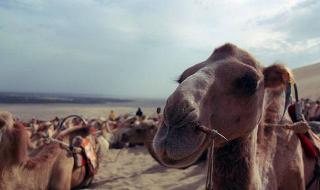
x=224, y=93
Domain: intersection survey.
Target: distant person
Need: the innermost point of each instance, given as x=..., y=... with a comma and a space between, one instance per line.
x=158, y=110
x=315, y=111
x=139, y=112
x=112, y=116
x=307, y=107
x=159, y=115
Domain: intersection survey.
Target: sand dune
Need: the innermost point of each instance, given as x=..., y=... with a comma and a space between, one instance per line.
x=308, y=80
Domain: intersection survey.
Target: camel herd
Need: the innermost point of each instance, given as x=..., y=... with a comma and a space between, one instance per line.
x=64, y=153
x=229, y=95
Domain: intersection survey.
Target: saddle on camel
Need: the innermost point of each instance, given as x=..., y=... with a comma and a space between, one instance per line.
x=66, y=161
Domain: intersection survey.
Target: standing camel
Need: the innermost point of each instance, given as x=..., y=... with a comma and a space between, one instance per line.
x=233, y=94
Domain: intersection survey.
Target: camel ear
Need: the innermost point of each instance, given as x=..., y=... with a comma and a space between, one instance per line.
x=277, y=75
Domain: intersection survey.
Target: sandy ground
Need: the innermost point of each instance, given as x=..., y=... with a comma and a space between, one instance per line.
x=135, y=169
x=49, y=111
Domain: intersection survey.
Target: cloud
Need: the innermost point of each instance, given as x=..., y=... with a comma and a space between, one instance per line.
x=290, y=35
x=136, y=48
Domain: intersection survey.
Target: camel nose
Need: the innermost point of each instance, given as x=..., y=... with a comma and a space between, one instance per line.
x=179, y=115
x=179, y=111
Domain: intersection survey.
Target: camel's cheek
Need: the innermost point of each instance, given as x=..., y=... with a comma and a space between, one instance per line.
x=0, y=136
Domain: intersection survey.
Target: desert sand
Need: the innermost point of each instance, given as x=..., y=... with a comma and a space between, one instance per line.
x=48, y=111
x=135, y=169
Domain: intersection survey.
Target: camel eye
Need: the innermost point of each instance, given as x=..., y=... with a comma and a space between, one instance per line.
x=246, y=85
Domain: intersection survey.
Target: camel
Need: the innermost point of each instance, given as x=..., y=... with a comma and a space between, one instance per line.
x=51, y=168
x=103, y=135
x=141, y=132
x=234, y=94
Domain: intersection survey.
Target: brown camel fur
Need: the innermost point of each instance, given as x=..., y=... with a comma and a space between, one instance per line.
x=50, y=168
x=232, y=93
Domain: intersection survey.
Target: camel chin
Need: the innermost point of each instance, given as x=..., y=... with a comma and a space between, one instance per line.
x=181, y=147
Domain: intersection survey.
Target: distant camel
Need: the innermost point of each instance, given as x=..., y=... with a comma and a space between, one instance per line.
x=141, y=132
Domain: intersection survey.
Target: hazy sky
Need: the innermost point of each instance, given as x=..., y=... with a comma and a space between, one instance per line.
x=137, y=48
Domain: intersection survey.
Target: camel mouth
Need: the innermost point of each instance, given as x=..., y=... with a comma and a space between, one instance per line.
x=187, y=160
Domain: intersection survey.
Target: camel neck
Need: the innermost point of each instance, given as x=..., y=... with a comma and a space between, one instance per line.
x=234, y=164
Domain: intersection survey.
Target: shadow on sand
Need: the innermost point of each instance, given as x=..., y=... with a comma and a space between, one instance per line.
x=155, y=169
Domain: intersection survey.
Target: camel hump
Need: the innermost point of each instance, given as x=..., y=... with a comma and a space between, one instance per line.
x=45, y=154
x=6, y=118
